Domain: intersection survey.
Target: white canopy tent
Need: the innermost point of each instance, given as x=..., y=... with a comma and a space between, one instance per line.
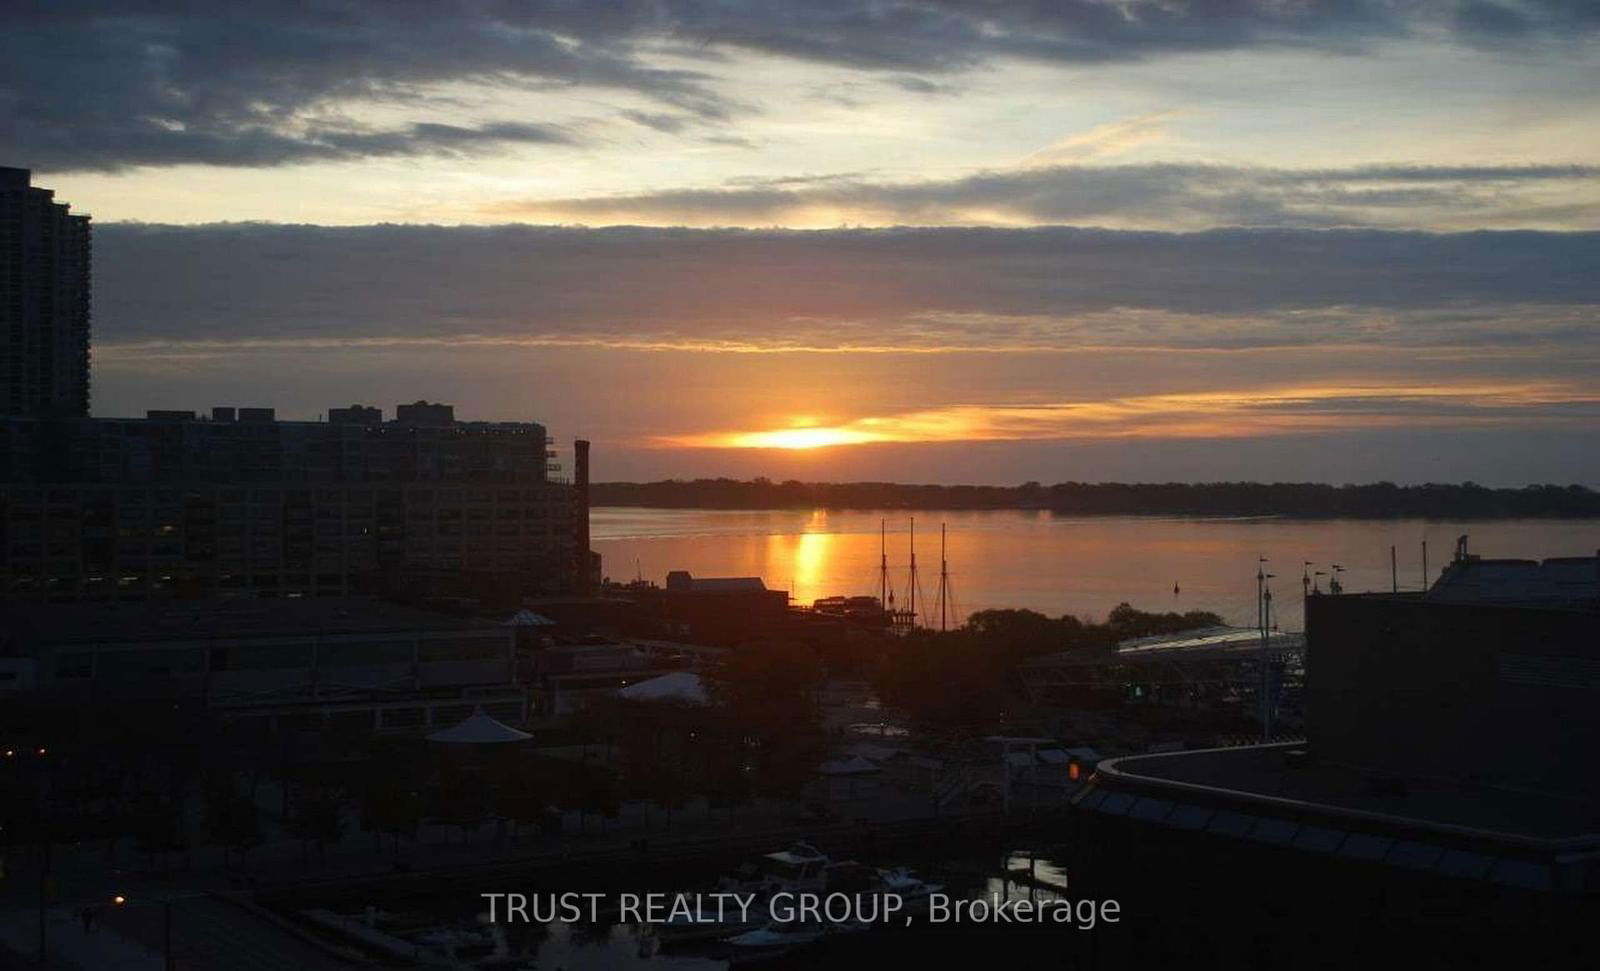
x=683, y=686
x=527, y=618
x=479, y=729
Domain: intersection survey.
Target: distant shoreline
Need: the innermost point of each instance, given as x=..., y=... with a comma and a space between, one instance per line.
x=1224, y=499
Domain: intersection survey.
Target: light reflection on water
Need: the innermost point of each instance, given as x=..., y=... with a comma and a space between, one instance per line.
x=1054, y=564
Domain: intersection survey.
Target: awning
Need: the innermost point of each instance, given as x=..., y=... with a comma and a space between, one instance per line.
x=684, y=686
x=854, y=765
x=479, y=729
x=527, y=618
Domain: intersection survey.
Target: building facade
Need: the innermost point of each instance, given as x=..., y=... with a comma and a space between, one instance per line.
x=1490, y=678
x=362, y=663
x=242, y=504
x=44, y=302
x=1444, y=795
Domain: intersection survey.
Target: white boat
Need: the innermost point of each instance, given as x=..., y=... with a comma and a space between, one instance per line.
x=910, y=888
x=799, y=868
x=777, y=933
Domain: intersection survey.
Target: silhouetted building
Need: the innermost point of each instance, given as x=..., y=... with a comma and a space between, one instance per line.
x=243, y=505
x=424, y=413
x=1490, y=678
x=44, y=302
x=714, y=610
x=356, y=415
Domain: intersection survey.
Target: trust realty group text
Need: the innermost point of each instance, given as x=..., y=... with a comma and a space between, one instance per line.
x=784, y=907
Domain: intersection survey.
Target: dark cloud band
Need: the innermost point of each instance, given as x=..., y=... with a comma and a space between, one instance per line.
x=1046, y=287
x=1157, y=195
x=88, y=85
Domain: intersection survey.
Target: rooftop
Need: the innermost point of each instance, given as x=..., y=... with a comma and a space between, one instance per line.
x=1564, y=581
x=1276, y=781
x=170, y=620
x=680, y=581
x=1203, y=643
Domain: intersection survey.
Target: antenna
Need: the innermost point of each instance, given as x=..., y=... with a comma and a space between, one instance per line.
x=1261, y=586
x=1264, y=612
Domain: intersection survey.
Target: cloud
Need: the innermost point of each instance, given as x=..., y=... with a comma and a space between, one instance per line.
x=243, y=84
x=1157, y=354
x=199, y=289
x=1111, y=138
x=110, y=86
x=1242, y=413
x=1163, y=196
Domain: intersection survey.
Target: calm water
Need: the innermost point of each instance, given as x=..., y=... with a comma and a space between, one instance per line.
x=1056, y=564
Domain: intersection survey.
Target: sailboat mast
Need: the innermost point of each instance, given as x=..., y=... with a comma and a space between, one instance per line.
x=884, y=563
x=944, y=581
x=911, y=586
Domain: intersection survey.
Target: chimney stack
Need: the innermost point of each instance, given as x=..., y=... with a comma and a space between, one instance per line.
x=580, y=483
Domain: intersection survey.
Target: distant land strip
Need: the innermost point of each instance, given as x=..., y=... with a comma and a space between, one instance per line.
x=1377, y=500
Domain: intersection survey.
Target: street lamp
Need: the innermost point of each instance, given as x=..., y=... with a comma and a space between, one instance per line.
x=119, y=900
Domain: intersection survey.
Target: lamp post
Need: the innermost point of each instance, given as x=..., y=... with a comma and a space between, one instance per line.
x=168, y=959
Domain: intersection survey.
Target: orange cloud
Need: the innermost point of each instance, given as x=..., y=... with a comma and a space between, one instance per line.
x=1211, y=414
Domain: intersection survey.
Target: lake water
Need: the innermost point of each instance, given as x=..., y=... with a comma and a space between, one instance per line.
x=1056, y=564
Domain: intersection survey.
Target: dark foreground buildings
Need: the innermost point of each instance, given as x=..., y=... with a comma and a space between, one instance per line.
x=1443, y=812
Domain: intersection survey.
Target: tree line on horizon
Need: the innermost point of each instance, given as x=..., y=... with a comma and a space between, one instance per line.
x=1377, y=500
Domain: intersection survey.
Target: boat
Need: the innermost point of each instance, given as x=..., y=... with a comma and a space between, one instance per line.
x=781, y=934
x=910, y=888
x=799, y=867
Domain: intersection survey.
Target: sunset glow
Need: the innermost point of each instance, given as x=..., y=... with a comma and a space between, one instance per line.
x=851, y=240
x=802, y=438
x=1213, y=414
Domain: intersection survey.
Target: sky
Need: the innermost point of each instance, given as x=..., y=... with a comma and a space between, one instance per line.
x=935, y=241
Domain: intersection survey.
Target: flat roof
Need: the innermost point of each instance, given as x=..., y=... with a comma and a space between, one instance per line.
x=1264, y=773
x=1201, y=643
x=1558, y=581
x=181, y=620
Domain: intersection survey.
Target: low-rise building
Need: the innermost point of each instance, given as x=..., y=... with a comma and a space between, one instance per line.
x=240, y=504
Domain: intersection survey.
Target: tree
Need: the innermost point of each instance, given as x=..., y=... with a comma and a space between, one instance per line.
x=232, y=820
x=520, y=796
x=390, y=786
x=460, y=799
x=767, y=723
x=391, y=808
x=317, y=819
x=159, y=832
x=598, y=796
